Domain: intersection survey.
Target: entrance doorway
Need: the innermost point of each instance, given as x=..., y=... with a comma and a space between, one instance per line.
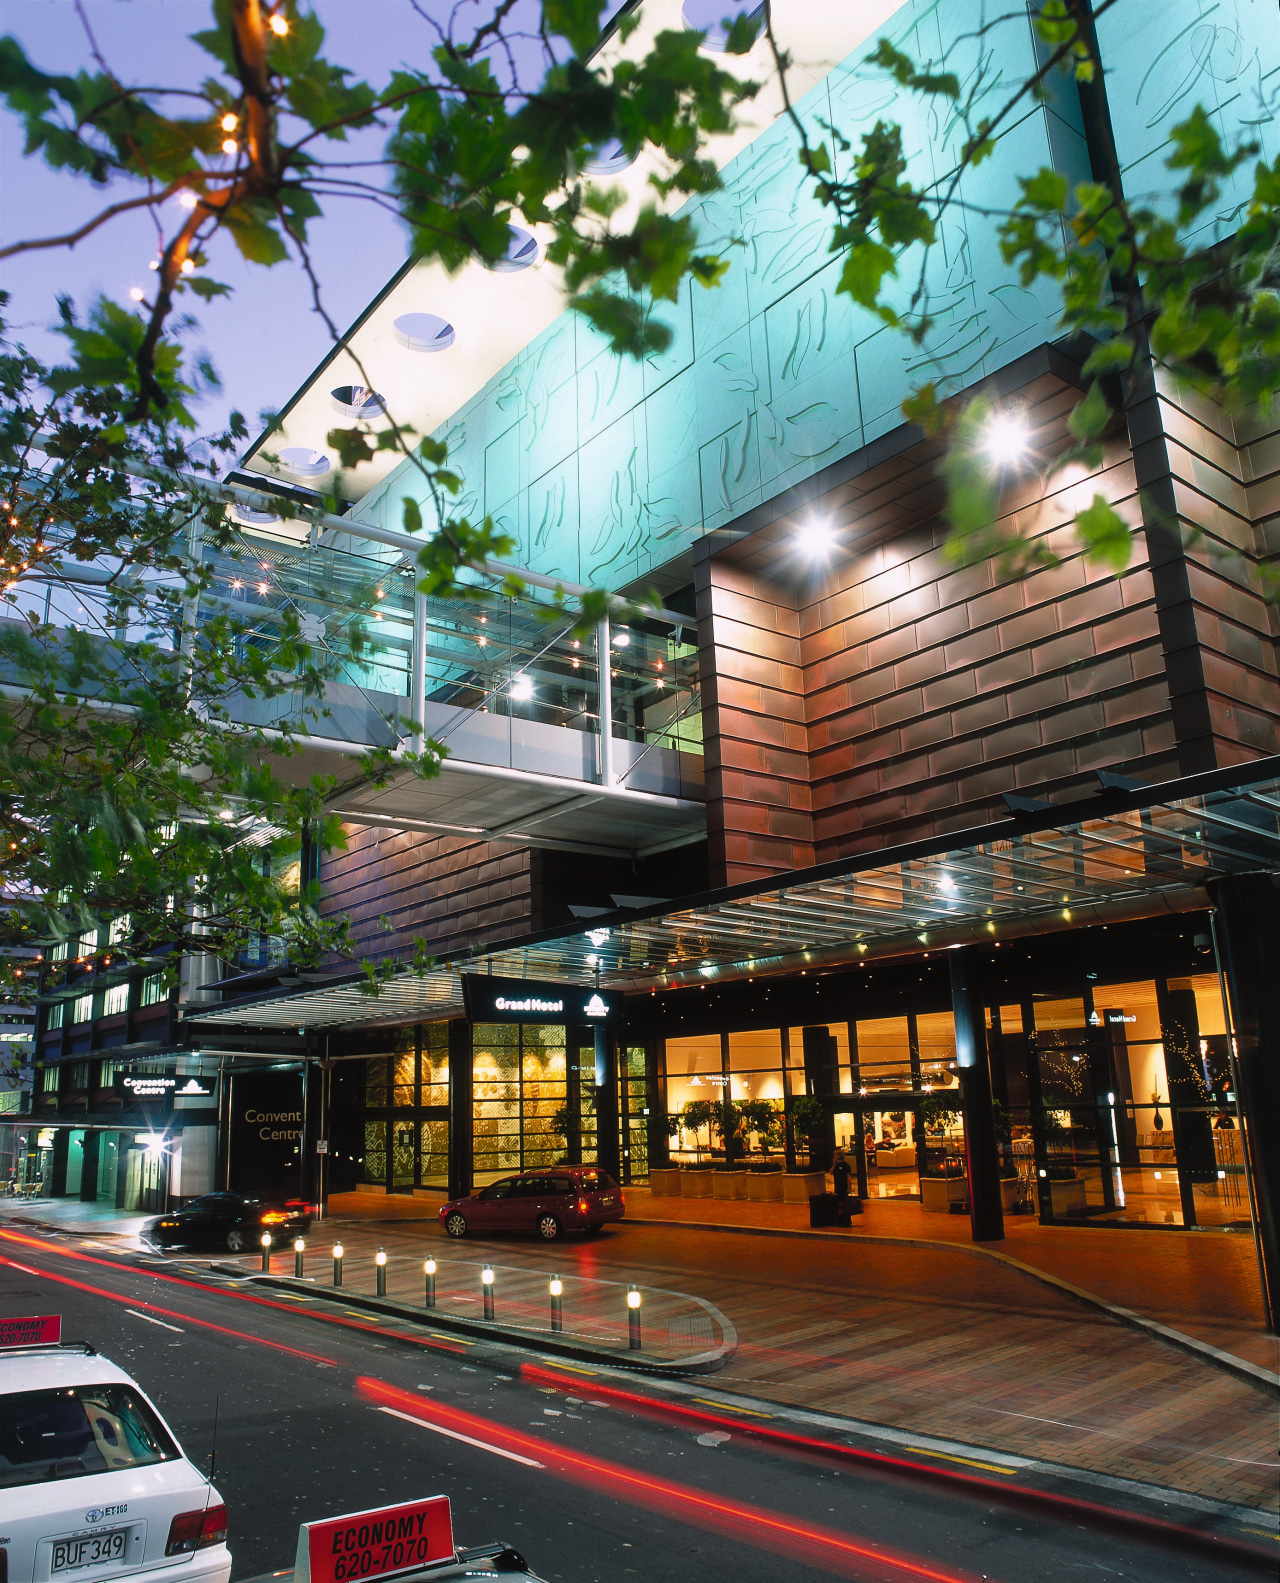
x=890, y=1141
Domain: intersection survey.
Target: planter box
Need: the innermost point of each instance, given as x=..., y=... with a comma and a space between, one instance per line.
x=730, y=1184
x=665, y=1183
x=765, y=1188
x=1010, y=1193
x=798, y=1187
x=1068, y=1198
x=938, y=1193
x=697, y=1184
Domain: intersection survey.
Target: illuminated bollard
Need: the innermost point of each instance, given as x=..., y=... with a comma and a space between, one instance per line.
x=266, y=1253
x=633, y=1317
x=557, y=1303
x=486, y=1286
x=429, y=1268
x=299, y=1248
x=337, y=1263
x=381, y=1261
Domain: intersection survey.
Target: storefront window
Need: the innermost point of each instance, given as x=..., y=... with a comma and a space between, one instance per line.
x=435, y=1064
x=404, y=1080
x=884, y=1053
x=375, y=1082
x=375, y=1151
x=520, y=1084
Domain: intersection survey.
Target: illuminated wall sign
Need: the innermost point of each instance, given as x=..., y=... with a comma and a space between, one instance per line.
x=147, y=1085
x=1115, y=1018
x=534, y=1000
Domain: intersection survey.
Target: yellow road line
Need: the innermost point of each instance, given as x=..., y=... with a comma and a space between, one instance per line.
x=987, y=1467
x=747, y=1412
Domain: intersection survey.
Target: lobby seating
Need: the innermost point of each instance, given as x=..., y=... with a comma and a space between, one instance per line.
x=899, y=1157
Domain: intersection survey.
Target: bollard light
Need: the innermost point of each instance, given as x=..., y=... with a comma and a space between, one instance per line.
x=380, y=1259
x=486, y=1283
x=337, y=1263
x=429, y=1269
x=633, y=1317
x=299, y=1248
x=266, y=1252
x=557, y=1303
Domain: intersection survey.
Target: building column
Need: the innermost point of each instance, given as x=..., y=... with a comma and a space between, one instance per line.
x=1248, y=931
x=461, y=1109
x=986, y=1215
x=607, y=1148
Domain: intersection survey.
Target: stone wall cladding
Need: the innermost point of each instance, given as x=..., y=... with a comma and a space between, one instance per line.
x=901, y=697
x=448, y=891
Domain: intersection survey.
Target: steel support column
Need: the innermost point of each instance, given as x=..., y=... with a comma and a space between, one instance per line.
x=461, y=1111
x=986, y=1215
x=1248, y=931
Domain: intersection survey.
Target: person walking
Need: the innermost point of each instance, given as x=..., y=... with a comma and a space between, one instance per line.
x=841, y=1175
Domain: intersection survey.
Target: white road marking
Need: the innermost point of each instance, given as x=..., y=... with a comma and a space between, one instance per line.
x=481, y=1445
x=714, y=1437
x=151, y=1321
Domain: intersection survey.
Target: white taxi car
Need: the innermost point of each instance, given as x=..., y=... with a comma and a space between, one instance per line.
x=93, y=1484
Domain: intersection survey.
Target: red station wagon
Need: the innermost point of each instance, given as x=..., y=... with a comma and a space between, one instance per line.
x=550, y=1202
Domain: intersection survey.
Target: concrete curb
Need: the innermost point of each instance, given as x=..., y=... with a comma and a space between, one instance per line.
x=1251, y=1373
x=530, y=1340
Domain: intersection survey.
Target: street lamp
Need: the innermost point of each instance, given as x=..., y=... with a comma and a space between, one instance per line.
x=337, y=1263
x=429, y=1268
x=633, y=1317
x=486, y=1284
x=266, y=1252
x=557, y=1303
x=380, y=1259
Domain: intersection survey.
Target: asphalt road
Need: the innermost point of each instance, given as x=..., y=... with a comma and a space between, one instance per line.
x=591, y=1476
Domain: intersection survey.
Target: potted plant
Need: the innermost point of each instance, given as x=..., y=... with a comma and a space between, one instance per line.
x=698, y=1113
x=807, y=1117
x=1066, y=1190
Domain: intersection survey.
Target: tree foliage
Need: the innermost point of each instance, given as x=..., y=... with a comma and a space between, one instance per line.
x=119, y=750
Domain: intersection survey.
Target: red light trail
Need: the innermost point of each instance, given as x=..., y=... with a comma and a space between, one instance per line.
x=824, y=1547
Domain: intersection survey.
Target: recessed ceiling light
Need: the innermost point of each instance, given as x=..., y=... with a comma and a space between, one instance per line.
x=253, y=519
x=358, y=401
x=608, y=159
x=423, y=332
x=522, y=250
x=709, y=17
x=303, y=462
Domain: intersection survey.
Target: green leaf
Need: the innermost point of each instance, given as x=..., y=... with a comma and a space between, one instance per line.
x=1090, y=416
x=864, y=270
x=207, y=289
x=412, y=515
x=1106, y=536
x=1107, y=356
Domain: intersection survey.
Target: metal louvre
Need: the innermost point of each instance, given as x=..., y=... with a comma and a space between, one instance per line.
x=1121, y=854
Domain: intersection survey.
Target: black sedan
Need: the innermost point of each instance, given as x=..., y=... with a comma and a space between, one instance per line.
x=231, y=1221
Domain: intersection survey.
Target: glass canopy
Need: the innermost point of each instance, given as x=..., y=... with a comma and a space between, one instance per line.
x=1127, y=852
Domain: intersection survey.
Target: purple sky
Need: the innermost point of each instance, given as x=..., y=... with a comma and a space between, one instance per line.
x=265, y=338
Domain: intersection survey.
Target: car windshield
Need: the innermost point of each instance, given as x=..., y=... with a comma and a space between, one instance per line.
x=64, y=1434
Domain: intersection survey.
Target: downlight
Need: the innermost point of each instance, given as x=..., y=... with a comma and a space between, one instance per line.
x=522, y=250
x=358, y=401
x=608, y=159
x=423, y=332
x=303, y=462
x=709, y=17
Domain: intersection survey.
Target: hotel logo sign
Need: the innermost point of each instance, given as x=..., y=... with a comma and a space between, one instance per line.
x=533, y=1000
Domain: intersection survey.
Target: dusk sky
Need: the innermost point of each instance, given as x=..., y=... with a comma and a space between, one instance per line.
x=265, y=338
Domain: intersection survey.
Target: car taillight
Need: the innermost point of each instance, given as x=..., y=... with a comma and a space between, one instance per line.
x=197, y=1530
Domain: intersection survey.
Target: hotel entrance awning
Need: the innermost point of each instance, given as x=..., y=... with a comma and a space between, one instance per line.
x=1129, y=852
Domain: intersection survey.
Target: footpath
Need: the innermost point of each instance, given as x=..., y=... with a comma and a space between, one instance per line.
x=900, y=1323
